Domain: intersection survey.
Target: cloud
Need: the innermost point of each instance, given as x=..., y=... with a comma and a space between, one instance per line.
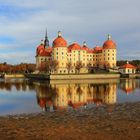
x=78, y=20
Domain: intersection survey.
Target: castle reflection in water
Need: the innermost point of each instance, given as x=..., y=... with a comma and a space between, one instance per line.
x=74, y=94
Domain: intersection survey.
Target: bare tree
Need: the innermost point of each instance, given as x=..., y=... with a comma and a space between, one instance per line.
x=43, y=67
x=48, y=66
x=106, y=65
x=78, y=66
x=89, y=67
x=53, y=65
x=69, y=66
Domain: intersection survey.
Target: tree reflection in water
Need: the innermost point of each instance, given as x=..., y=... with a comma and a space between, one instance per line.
x=19, y=85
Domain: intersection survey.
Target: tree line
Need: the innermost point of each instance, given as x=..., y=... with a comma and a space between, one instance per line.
x=19, y=68
x=133, y=62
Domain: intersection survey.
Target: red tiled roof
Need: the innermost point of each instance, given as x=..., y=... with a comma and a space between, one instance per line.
x=128, y=66
x=42, y=51
x=48, y=49
x=85, y=48
x=98, y=49
x=74, y=46
x=45, y=53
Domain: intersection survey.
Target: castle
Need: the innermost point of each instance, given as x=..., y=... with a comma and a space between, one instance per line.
x=72, y=58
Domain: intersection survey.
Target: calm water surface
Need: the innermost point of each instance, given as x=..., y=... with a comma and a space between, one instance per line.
x=22, y=96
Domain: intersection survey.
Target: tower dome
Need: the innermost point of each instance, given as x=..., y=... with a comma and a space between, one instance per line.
x=59, y=41
x=109, y=44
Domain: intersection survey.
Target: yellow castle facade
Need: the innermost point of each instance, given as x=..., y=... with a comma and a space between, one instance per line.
x=75, y=58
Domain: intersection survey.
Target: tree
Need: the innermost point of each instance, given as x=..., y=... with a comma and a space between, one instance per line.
x=78, y=66
x=48, y=66
x=43, y=67
x=69, y=66
x=89, y=67
x=106, y=65
x=53, y=65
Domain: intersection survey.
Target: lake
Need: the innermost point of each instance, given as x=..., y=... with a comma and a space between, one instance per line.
x=23, y=96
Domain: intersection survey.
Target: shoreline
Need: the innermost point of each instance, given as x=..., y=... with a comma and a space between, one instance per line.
x=119, y=121
x=81, y=76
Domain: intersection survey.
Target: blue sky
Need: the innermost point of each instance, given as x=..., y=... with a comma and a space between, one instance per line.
x=23, y=24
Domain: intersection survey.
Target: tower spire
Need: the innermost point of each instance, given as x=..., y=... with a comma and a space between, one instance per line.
x=46, y=41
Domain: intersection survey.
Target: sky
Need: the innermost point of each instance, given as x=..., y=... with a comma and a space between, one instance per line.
x=23, y=25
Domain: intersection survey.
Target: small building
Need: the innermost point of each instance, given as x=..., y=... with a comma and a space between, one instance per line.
x=127, y=69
